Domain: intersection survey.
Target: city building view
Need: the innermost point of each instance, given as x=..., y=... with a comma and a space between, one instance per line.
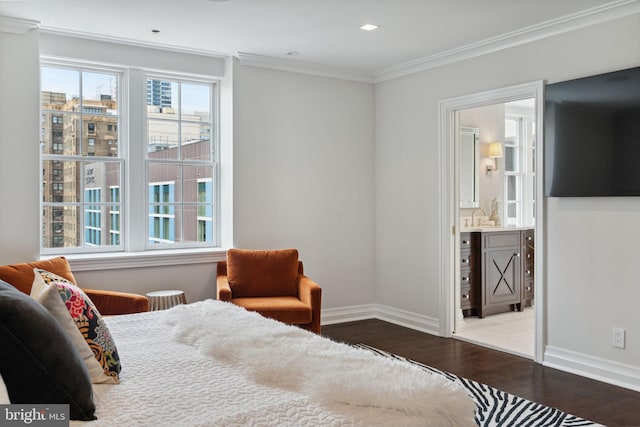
x=82, y=164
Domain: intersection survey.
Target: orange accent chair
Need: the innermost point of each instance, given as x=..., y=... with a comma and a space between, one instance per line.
x=108, y=303
x=271, y=283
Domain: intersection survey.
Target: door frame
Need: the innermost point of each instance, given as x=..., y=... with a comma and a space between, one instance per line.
x=450, y=210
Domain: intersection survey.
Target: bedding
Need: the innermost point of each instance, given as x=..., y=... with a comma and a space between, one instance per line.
x=212, y=363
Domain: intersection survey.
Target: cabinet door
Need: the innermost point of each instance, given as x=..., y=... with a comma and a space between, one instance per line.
x=502, y=280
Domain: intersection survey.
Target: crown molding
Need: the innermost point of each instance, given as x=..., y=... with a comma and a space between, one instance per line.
x=17, y=25
x=585, y=18
x=263, y=61
x=596, y=15
x=130, y=42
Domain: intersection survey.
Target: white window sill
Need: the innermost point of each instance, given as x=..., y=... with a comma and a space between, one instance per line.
x=159, y=258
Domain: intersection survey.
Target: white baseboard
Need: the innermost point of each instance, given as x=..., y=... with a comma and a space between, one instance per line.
x=620, y=374
x=352, y=313
x=430, y=325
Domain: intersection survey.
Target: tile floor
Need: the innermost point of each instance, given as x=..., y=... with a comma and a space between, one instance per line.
x=511, y=332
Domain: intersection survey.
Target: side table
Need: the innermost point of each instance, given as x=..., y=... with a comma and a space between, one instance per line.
x=162, y=300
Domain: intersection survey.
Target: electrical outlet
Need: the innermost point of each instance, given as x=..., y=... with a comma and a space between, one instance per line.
x=617, y=340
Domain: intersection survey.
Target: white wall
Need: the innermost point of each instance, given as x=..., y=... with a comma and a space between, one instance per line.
x=303, y=176
x=591, y=281
x=19, y=144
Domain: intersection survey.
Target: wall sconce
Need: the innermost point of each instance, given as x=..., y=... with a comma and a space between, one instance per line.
x=495, y=151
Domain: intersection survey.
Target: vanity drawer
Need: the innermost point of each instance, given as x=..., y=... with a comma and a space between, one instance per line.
x=498, y=239
x=467, y=277
x=529, y=289
x=527, y=238
x=528, y=256
x=468, y=259
x=469, y=240
x=528, y=271
x=467, y=297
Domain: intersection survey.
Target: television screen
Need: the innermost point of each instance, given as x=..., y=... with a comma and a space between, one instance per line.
x=592, y=136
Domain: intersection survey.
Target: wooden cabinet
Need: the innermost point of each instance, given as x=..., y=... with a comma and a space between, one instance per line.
x=469, y=280
x=501, y=272
x=528, y=257
x=496, y=271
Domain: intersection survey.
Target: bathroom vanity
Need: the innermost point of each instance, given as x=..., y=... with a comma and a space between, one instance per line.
x=496, y=269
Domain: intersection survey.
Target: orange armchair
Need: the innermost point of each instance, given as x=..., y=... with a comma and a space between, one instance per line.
x=271, y=283
x=107, y=302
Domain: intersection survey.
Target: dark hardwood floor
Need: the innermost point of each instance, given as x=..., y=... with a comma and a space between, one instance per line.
x=586, y=398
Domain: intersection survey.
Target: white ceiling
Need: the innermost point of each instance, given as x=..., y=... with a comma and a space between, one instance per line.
x=323, y=32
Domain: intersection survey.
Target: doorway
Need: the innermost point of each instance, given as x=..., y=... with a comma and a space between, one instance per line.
x=506, y=212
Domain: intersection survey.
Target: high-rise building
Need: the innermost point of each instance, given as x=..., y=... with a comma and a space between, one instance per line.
x=159, y=93
x=71, y=128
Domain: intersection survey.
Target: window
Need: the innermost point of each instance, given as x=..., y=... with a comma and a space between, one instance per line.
x=93, y=217
x=205, y=210
x=162, y=217
x=73, y=193
x=180, y=162
x=519, y=156
x=513, y=171
x=114, y=216
x=84, y=164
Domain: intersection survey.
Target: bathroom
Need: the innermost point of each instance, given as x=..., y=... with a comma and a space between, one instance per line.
x=497, y=206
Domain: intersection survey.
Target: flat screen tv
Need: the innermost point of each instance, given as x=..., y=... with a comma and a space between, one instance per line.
x=592, y=136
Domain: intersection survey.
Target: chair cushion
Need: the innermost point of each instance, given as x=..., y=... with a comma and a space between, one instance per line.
x=285, y=309
x=253, y=273
x=21, y=275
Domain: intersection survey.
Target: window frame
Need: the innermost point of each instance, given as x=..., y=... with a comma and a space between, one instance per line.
x=83, y=248
x=518, y=173
x=133, y=249
x=525, y=175
x=214, y=162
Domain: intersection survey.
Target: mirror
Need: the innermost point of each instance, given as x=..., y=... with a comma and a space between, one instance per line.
x=469, y=138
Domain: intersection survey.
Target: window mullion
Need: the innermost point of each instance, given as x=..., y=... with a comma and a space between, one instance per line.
x=136, y=220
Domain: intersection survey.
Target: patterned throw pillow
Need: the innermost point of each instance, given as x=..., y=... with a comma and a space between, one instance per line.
x=89, y=322
x=49, y=297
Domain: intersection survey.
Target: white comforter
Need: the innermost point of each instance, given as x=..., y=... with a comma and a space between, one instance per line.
x=215, y=364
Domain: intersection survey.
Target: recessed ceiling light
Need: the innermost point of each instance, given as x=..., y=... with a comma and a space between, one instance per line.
x=369, y=27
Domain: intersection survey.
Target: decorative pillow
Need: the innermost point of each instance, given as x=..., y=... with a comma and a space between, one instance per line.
x=38, y=362
x=88, y=321
x=49, y=297
x=254, y=273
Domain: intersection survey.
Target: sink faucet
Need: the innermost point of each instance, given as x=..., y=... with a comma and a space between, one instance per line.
x=473, y=213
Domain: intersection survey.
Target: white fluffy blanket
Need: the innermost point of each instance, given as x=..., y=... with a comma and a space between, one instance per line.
x=332, y=374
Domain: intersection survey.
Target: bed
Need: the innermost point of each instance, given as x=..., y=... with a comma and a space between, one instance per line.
x=214, y=364
x=209, y=363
